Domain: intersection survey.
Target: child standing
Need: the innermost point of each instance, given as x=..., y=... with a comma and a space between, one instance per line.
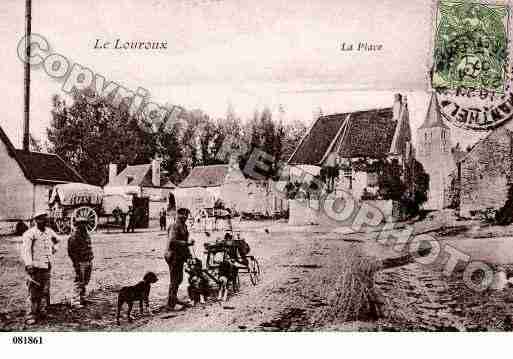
x=80, y=251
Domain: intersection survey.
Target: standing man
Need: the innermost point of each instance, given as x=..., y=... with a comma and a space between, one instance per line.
x=38, y=247
x=80, y=251
x=176, y=253
x=131, y=219
x=162, y=218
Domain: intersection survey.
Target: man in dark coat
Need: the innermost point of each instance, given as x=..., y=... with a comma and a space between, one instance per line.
x=80, y=252
x=162, y=218
x=176, y=254
x=131, y=219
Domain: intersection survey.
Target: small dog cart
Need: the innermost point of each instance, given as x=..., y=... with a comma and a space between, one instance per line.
x=234, y=251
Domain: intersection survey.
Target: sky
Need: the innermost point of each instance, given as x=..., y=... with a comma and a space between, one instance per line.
x=219, y=52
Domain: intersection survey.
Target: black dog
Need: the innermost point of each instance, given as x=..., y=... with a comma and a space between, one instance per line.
x=228, y=274
x=139, y=292
x=199, y=286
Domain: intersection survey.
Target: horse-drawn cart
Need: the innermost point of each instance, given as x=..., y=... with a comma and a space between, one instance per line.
x=71, y=200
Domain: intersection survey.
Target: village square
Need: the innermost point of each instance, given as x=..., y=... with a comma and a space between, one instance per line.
x=315, y=268
x=277, y=197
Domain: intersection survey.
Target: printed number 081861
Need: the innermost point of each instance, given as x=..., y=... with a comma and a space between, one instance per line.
x=27, y=340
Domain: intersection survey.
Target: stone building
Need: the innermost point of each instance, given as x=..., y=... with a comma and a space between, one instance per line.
x=140, y=181
x=435, y=155
x=345, y=139
x=226, y=182
x=484, y=174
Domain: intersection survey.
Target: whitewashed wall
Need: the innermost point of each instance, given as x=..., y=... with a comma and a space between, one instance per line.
x=16, y=191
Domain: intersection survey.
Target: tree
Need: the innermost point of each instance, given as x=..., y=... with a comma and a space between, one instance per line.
x=92, y=135
x=293, y=133
x=391, y=187
x=268, y=136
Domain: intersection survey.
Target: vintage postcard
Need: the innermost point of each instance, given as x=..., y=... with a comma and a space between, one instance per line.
x=240, y=166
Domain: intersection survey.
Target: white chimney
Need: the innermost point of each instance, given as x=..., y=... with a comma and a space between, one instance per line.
x=396, y=108
x=155, y=172
x=113, y=171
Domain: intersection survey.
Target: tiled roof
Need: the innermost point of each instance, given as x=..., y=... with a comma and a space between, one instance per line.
x=45, y=167
x=360, y=134
x=205, y=176
x=369, y=134
x=41, y=167
x=316, y=142
x=138, y=175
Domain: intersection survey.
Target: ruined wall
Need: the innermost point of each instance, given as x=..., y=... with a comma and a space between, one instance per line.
x=485, y=173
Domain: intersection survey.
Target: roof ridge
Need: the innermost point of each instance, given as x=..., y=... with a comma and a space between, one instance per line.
x=358, y=111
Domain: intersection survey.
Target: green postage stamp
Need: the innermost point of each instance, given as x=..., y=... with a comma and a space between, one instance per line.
x=470, y=48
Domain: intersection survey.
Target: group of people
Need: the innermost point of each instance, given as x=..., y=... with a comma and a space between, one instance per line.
x=40, y=243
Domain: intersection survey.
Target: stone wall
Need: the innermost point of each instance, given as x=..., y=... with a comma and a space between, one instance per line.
x=485, y=173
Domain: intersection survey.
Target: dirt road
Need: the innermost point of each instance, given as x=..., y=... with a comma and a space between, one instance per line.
x=288, y=261
x=301, y=268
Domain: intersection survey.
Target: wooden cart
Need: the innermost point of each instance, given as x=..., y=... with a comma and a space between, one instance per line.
x=229, y=249
x=71, y=200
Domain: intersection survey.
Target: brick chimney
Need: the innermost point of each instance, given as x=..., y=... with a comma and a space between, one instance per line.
x=113, y=171
x=396, y=108
x=155, y=172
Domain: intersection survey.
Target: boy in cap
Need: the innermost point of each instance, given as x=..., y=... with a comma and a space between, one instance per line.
x=80, y=251
x=39, y=244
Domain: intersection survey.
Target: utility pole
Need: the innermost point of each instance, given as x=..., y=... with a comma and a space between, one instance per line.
x=26, y=104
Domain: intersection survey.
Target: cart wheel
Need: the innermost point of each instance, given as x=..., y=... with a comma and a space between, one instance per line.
x=63, y=225
x=254, y=271
x=90, y=214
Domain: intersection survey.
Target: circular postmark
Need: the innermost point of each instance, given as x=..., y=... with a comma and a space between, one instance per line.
x=471, y=71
